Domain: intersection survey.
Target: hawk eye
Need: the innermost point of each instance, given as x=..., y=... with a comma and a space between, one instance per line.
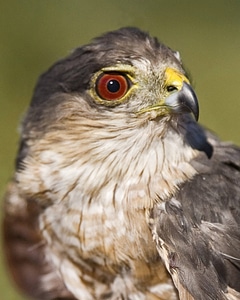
x=112, y=86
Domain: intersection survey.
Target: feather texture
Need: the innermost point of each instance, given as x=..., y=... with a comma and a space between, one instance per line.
x=125, y=199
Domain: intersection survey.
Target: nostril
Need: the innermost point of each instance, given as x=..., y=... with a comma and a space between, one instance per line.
x=171, y=88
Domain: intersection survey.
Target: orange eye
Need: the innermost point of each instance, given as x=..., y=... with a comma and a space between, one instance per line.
x=112, y=86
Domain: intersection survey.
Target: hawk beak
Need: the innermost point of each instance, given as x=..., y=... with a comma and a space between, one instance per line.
x=182, y=98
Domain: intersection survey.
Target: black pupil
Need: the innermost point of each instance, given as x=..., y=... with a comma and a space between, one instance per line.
x=113, y=86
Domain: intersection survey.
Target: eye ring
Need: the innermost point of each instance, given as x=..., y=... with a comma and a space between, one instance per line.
x=112, y=86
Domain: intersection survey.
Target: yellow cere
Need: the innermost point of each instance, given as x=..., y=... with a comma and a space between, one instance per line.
x=175, y=78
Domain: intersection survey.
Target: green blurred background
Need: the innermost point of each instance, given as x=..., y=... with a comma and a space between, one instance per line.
x=34, y=34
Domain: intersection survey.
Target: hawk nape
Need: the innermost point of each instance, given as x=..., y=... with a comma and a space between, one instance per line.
x=118, y=192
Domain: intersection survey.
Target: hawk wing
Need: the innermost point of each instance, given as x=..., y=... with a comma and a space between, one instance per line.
x=198, y=231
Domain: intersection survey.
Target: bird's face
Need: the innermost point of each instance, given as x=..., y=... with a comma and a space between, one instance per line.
x=144, y=89
x=124, y=75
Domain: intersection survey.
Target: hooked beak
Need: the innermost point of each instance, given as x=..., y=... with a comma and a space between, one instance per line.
x=182, y=98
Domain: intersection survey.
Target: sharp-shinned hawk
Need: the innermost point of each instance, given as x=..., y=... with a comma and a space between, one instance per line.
x=118, y=192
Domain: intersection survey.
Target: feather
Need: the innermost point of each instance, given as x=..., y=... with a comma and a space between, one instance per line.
x=200, y=228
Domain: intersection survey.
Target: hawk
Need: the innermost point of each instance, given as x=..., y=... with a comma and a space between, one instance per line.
x=118, y=192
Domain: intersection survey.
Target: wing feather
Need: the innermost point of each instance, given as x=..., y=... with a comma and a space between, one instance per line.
x=197, y=231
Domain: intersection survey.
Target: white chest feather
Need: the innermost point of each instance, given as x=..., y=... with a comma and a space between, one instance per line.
x=98, y=189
